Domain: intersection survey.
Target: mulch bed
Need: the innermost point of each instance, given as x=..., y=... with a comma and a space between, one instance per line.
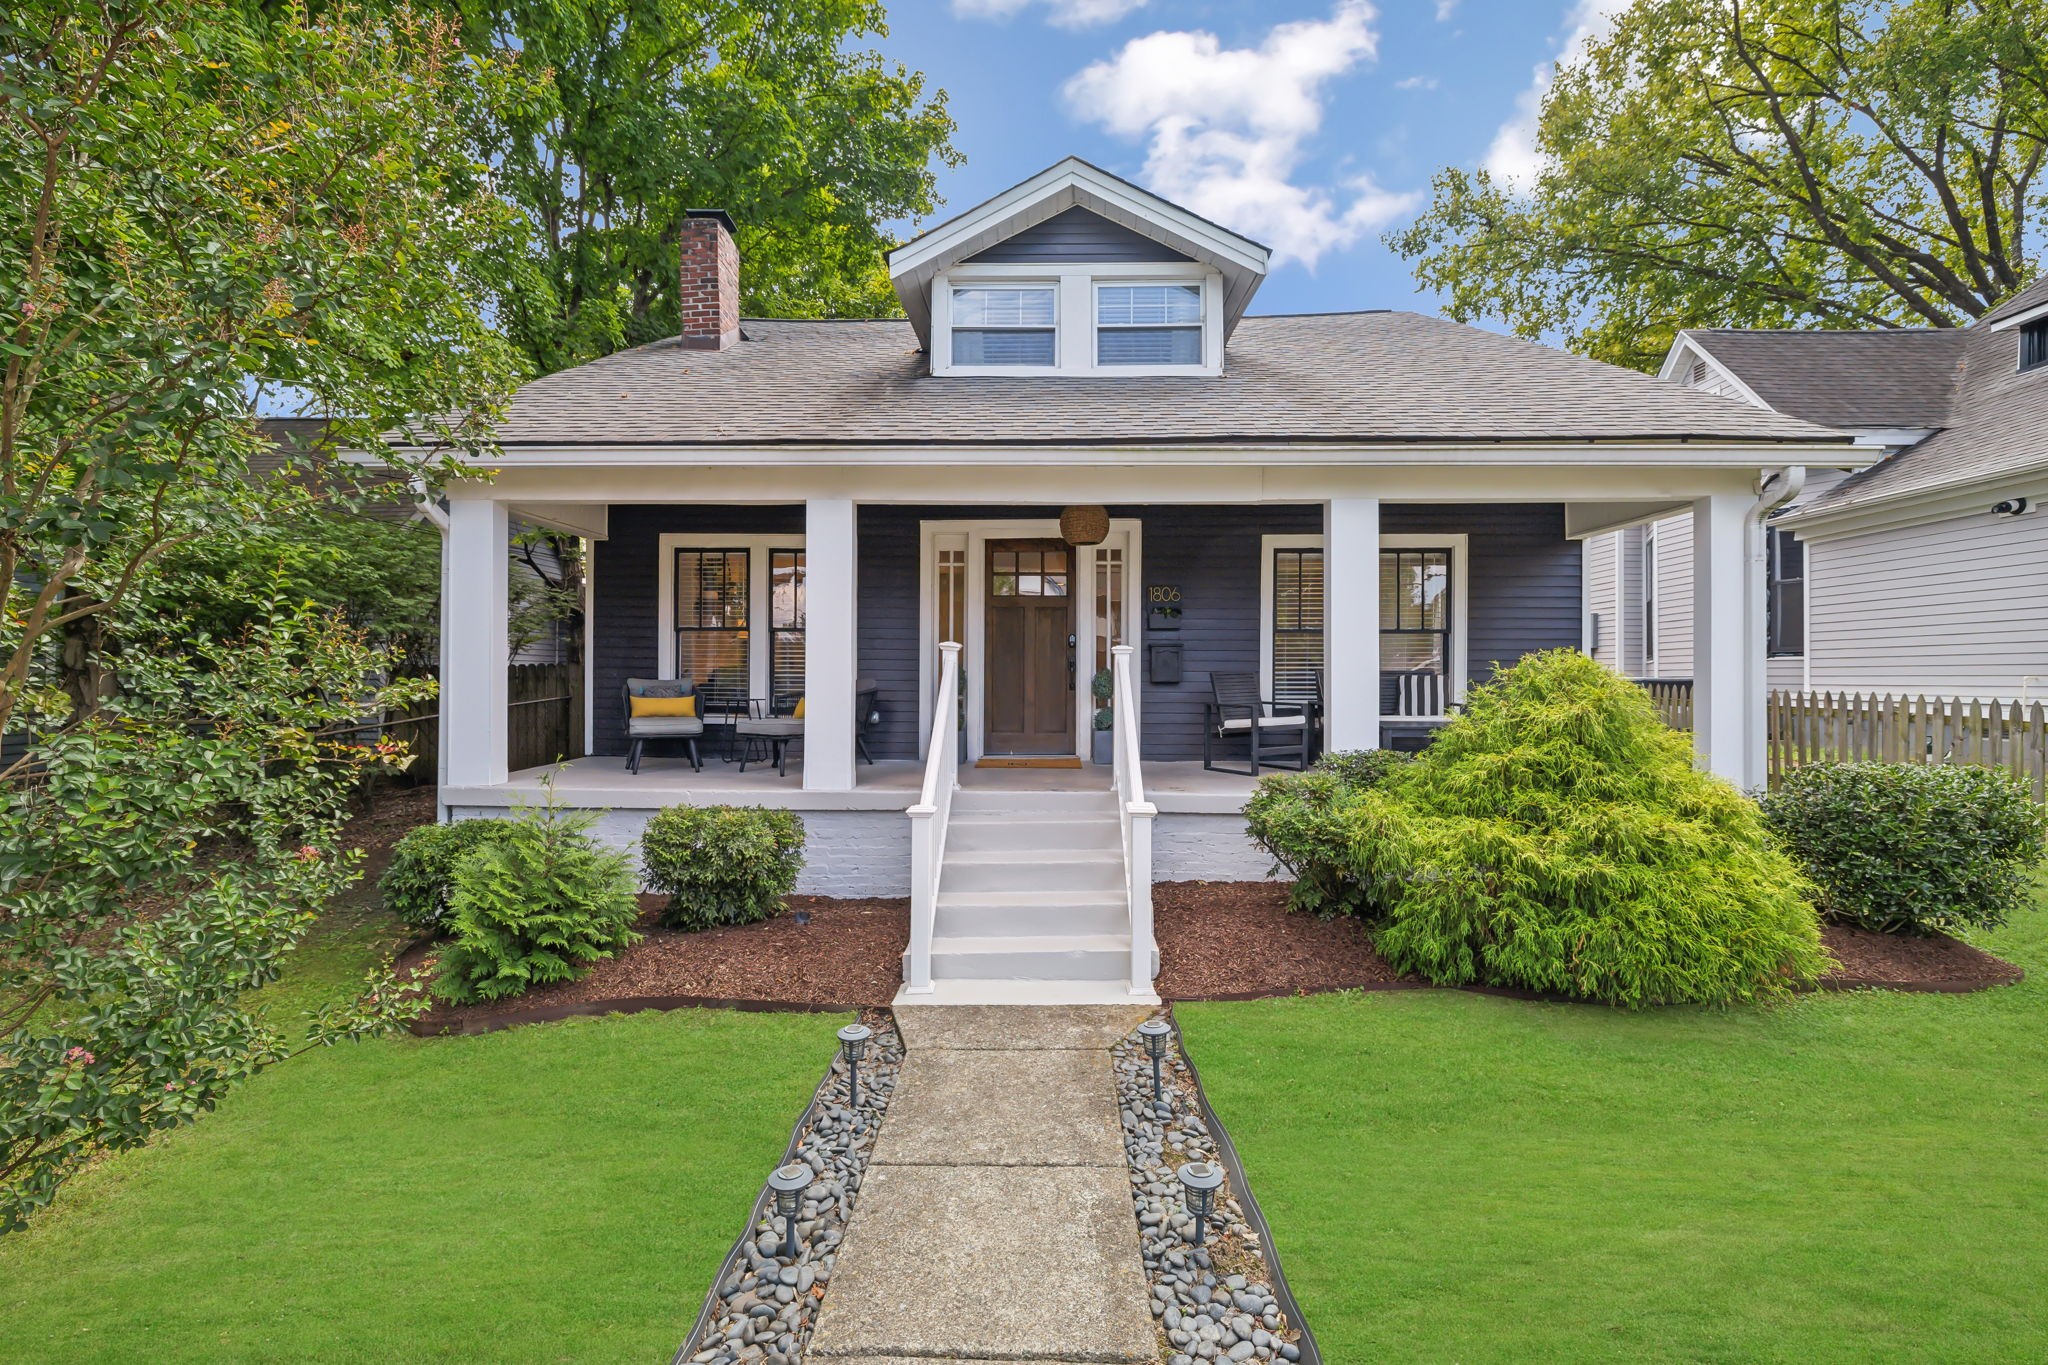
x=1217, y=941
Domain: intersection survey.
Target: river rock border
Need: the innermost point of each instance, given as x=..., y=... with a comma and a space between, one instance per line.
x=1223, y=1301
x=763, y=1304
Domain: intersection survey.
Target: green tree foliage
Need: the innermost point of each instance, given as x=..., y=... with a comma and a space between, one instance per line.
x=1783, y=163
x=536, y=903
x=201, y=196
x=1911, y=847
x=1556, y=836
x=772, y=111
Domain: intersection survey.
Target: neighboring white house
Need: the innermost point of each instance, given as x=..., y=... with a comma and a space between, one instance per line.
x=1925, y=573
x=1077, y=457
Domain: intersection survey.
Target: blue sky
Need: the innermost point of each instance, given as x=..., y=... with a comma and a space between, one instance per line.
x=1311, y=126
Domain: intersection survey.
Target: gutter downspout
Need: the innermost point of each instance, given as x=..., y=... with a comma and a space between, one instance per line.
x=1776, y=490
x=432, y=509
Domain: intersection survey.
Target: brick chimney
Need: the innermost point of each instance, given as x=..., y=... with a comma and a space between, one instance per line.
x=710, y=294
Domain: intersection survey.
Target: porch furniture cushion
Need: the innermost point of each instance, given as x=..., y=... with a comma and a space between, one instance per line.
x=665, y=726
x=1241, y=723
x=645, y=706
x=799, y=712
x=779, y=727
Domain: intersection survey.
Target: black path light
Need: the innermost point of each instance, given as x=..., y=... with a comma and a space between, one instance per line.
x=1158, y=1036
x=853, y=1045
x=789, y=1183
x=1199, y=1181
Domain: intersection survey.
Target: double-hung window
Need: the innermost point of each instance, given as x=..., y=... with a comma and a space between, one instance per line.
x=1005, y=325
x=712, y=637
x=786, y=586
x=1785, y=606
x=2034, y=344
x=1148, y=324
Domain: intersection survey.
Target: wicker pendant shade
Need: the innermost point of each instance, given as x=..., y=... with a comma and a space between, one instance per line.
x=1084, y=525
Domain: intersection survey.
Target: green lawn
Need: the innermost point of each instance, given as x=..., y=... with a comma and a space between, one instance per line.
x=1462, y=1178
x=558, y=1192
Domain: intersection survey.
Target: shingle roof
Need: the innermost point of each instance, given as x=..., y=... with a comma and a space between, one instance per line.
x=1895, y=378
x=1333, y=377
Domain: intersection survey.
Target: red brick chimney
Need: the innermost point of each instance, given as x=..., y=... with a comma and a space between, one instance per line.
x=710, y=281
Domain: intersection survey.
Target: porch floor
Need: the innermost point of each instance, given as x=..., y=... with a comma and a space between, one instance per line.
x=890, y=784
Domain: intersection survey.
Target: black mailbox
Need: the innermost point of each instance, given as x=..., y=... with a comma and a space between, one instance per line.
x=1162, y=663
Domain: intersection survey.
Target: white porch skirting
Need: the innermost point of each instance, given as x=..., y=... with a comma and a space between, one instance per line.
x=849, y=853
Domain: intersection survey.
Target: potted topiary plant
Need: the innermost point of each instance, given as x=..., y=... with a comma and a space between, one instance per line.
x=1105, y=720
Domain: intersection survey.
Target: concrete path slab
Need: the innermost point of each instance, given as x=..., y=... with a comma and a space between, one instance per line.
x=1017, y=1027
x=989, y=1263
x=1042, y=1107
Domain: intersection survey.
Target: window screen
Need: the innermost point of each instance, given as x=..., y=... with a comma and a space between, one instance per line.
x=1003, y=326
x=1148, y=324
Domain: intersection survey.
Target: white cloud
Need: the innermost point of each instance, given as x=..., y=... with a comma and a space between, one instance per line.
x=1225, y=127
x=1416, y=83
x=1514, y=155
x=1445, y=9
x=1060, y=13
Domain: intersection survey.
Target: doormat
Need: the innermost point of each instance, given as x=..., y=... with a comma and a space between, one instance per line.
x=1027, y=763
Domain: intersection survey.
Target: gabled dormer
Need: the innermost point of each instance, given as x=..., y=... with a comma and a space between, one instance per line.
x=1076, y=272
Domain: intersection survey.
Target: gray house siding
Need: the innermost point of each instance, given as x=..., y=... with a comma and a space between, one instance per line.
x=1602, y=567
x=1955, y=608
x=1524, y=595
x=1078, y=235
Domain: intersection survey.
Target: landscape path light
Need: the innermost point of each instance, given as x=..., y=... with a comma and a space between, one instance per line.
x=853, y=1045
x=789, y=1183
x=1158, y=1035
x=1199, y=1181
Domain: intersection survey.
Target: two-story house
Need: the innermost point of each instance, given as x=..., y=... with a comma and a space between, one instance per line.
x=1078, y=476
x=1923, y=574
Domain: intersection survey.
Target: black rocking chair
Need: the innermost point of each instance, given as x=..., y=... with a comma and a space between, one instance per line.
x=1276, y=732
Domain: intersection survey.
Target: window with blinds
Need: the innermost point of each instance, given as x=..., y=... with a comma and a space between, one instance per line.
x=785, y=628
x=1297, y=623
x=1148, y=324
x=711, y=624
x=1004, y=326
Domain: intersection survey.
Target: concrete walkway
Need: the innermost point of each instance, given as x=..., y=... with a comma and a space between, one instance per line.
x=994, y=1223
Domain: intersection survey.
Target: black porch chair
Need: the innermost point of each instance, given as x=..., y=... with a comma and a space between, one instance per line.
x=865, y=690
x=1277, y=733
x=640, y=729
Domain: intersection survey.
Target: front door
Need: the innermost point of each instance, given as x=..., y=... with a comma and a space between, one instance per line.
x=1029, y=697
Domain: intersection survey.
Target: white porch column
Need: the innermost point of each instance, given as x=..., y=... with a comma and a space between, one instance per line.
x=1724, y=632
x=475, y=649
x=830, y=656
x=1351, y=623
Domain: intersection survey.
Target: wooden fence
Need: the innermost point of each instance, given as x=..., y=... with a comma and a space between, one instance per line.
x=1809, y=727
x=544, y=720
x=1673, y=699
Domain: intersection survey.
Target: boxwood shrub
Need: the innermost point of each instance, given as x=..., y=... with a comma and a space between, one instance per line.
x=1557, y=837
x=1911, y=847
x=536, y=905
x=721, y=864
x=417, y=884
x=1290, y=817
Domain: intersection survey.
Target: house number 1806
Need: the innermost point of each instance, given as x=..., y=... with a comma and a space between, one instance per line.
x=1163, y=594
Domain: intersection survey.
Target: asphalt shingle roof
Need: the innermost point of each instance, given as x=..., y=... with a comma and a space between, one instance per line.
x=1901, y=378
x=1334, y=377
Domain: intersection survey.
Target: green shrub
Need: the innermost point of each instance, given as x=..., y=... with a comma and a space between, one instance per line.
x=721, y=864
x=1290, y=817
x=417, y=884
x=537, y=905
x=1557, y=837
x=1911, y=847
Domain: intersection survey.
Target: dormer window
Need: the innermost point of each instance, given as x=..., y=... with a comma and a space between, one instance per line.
x=1148, y=324
x=1006, y=325
x=2034, y=344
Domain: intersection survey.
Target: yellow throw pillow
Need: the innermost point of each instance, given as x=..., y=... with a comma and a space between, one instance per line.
x=798, y=714
x=664, y=706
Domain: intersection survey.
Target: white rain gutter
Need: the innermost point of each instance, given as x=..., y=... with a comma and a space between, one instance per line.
x=1777, y=490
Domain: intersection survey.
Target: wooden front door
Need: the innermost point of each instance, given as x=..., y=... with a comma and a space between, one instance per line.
x=1028, y=698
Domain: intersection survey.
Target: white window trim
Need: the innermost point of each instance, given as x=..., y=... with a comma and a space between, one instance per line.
x=1649, y=600
x=1460, y=546
x=759, y=635
x=1074, y=314
x=1081, y=588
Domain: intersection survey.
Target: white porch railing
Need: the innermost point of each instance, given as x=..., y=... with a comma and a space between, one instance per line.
x=929, y=816
x=1134, y=814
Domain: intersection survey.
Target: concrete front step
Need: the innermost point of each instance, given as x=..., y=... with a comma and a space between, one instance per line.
x=1021, y=913
x=1032, y=833
x=1078, y=804
x=1048, y=869
x=1036, y=957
